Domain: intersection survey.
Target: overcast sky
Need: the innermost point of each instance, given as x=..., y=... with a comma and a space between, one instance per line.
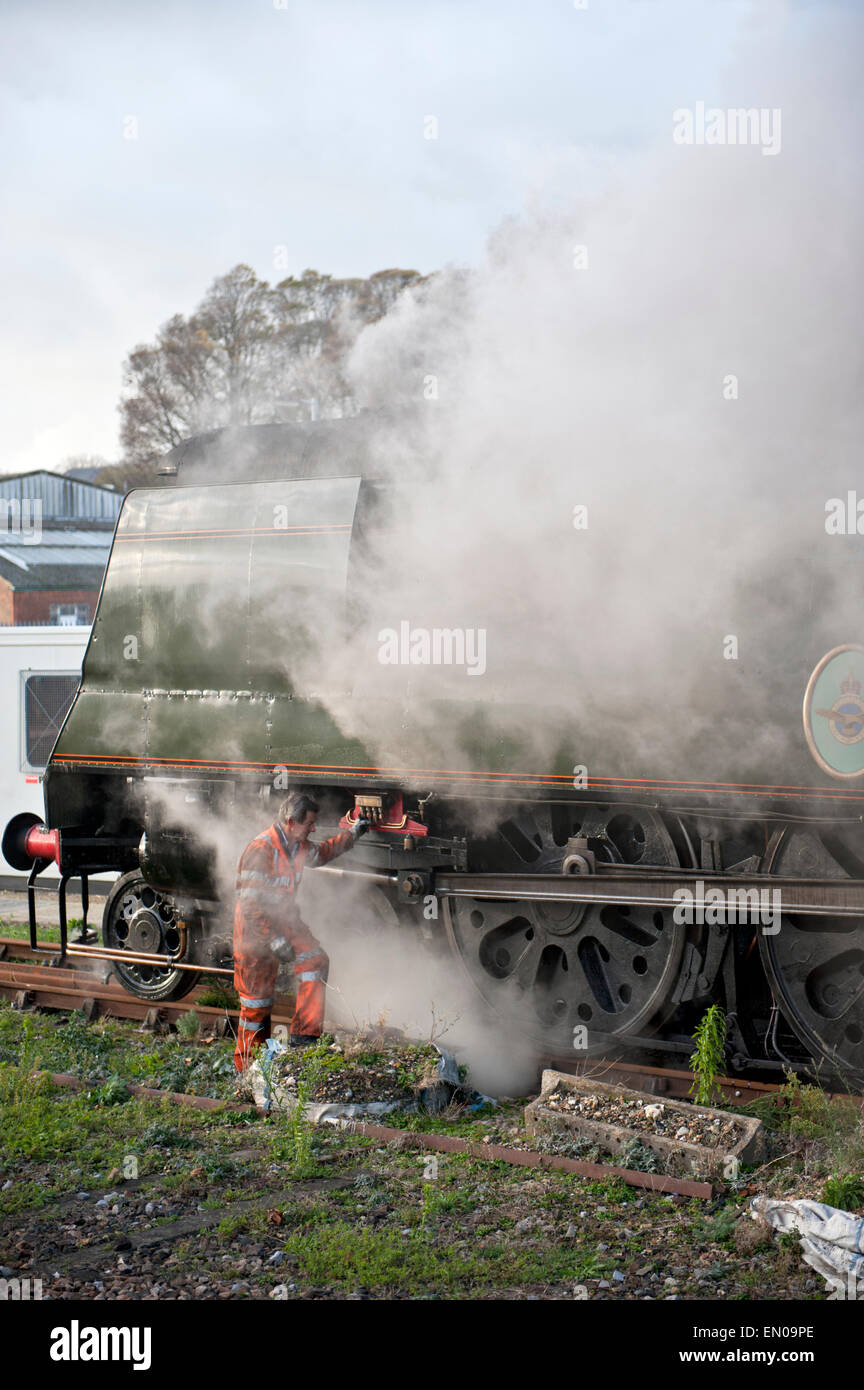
x=301, y=126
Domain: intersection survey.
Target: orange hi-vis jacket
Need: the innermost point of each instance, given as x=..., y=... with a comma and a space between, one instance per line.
x=268, y=876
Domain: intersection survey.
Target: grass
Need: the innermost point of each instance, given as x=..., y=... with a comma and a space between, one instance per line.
x=164, y=1135
x=83, y=1136
x=613, y=1191
x=46, y=1125
x=231, y=1226
x=464, y=1127
x=218, y=995
x=20, y=931
x=50, y=935
x=97, y=1052
x=824, y=1135
x=388, y=1228
x=436, y=1201
x=345, y=1255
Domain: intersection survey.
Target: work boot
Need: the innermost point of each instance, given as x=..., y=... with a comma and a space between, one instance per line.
x=303, y=1039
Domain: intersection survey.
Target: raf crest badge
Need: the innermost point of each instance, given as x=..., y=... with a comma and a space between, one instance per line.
x=834, y=712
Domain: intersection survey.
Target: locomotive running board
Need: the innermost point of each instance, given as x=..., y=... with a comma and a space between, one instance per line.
x=740, y=894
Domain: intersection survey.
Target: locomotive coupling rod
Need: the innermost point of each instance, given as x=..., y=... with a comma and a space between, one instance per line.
x=817, y=897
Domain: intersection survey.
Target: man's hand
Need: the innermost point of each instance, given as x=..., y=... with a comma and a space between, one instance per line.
x=360, y=827
x=282, y=950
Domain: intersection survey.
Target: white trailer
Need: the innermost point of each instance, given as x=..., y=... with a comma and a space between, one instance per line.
x=40, y=668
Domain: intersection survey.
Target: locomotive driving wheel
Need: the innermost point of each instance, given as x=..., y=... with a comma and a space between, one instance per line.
x=142, y=920
x=553, y=968
x=815, y=965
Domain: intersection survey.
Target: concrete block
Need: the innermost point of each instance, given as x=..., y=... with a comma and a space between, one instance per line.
x=677, y=1156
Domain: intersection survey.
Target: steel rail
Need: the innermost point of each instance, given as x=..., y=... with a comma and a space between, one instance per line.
x=43, y=986
x=50, y=987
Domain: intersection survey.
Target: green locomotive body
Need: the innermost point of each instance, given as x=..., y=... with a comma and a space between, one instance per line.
x=213, y=680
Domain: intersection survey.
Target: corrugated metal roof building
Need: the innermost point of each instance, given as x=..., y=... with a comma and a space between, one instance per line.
x=55, y=539
x=62, y=499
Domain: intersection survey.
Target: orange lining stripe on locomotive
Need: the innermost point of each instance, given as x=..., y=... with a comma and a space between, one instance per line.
x=557, y=777
x=310, y=530
x=495, y=778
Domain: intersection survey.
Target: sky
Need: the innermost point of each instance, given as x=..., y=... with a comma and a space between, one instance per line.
x=147, y=149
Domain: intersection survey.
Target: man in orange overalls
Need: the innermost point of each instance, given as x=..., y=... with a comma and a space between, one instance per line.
x=268, y=929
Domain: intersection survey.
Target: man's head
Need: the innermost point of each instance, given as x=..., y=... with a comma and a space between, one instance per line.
x=297, y=815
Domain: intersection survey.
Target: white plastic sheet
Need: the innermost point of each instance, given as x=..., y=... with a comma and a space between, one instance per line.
x=832, y=1241
x=270, y=1094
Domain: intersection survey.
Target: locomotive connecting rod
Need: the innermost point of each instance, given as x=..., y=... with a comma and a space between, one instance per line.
x=740, y=893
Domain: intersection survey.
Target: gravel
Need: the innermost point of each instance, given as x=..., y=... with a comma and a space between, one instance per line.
x=711, y=1132
x=390, y=1072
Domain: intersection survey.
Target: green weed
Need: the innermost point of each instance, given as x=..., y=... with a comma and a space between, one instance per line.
x=217, y=1167
x=812, y=1114
x=706, y=1063
x=716, y=1230
x=636, y=1156
x=161, y=1135
x=231, y=1226
x=188, y=1026
x=293, y=1141
x=113, y=1092
x=845, y=1191
x=611, y=1190
x=218, y=995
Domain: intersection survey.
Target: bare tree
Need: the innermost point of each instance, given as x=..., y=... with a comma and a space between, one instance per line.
x=237, y=326
x=91, y=462
x=250, y=353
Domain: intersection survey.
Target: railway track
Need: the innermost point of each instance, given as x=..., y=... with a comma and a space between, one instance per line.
x=30, y=980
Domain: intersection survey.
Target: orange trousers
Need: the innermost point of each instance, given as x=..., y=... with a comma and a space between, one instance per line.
x=255, y=980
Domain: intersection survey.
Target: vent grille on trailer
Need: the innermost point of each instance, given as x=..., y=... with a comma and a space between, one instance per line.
x=46, y=700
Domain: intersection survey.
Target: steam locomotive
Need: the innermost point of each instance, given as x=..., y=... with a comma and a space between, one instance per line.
x=601, y=900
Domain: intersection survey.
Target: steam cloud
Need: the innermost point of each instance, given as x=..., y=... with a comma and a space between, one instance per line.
x=611, y=386
x=608, y=386
x=538, y=382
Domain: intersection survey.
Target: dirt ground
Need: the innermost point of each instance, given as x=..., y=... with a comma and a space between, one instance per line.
x=105, y=1196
